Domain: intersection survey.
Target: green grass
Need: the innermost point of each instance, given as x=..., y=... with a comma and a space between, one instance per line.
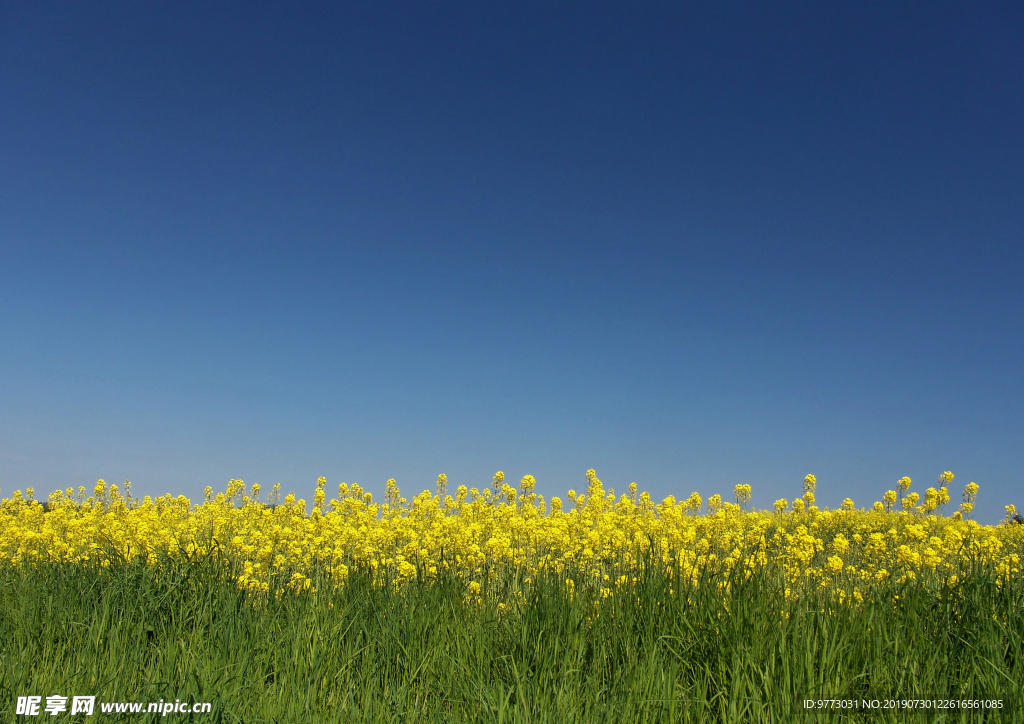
x=366, y=654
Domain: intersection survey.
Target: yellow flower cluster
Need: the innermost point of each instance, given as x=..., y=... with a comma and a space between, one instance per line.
x=599, y=540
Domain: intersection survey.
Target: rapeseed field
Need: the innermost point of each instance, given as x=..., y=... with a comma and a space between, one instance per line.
x=497, y=604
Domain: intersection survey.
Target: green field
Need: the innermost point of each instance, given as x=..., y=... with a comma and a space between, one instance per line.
x=428, y=653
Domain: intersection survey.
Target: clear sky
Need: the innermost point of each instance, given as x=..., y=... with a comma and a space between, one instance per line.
x=686, y=246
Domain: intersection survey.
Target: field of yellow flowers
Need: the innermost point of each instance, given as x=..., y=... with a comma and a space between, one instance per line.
x=496, y=604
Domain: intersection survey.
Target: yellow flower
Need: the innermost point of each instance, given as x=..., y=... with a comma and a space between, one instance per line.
x=504, y=535
x=742, y=493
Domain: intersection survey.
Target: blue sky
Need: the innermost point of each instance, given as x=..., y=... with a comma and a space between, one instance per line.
x=690, y=247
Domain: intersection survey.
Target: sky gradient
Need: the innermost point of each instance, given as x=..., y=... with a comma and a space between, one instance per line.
x=690, y=247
